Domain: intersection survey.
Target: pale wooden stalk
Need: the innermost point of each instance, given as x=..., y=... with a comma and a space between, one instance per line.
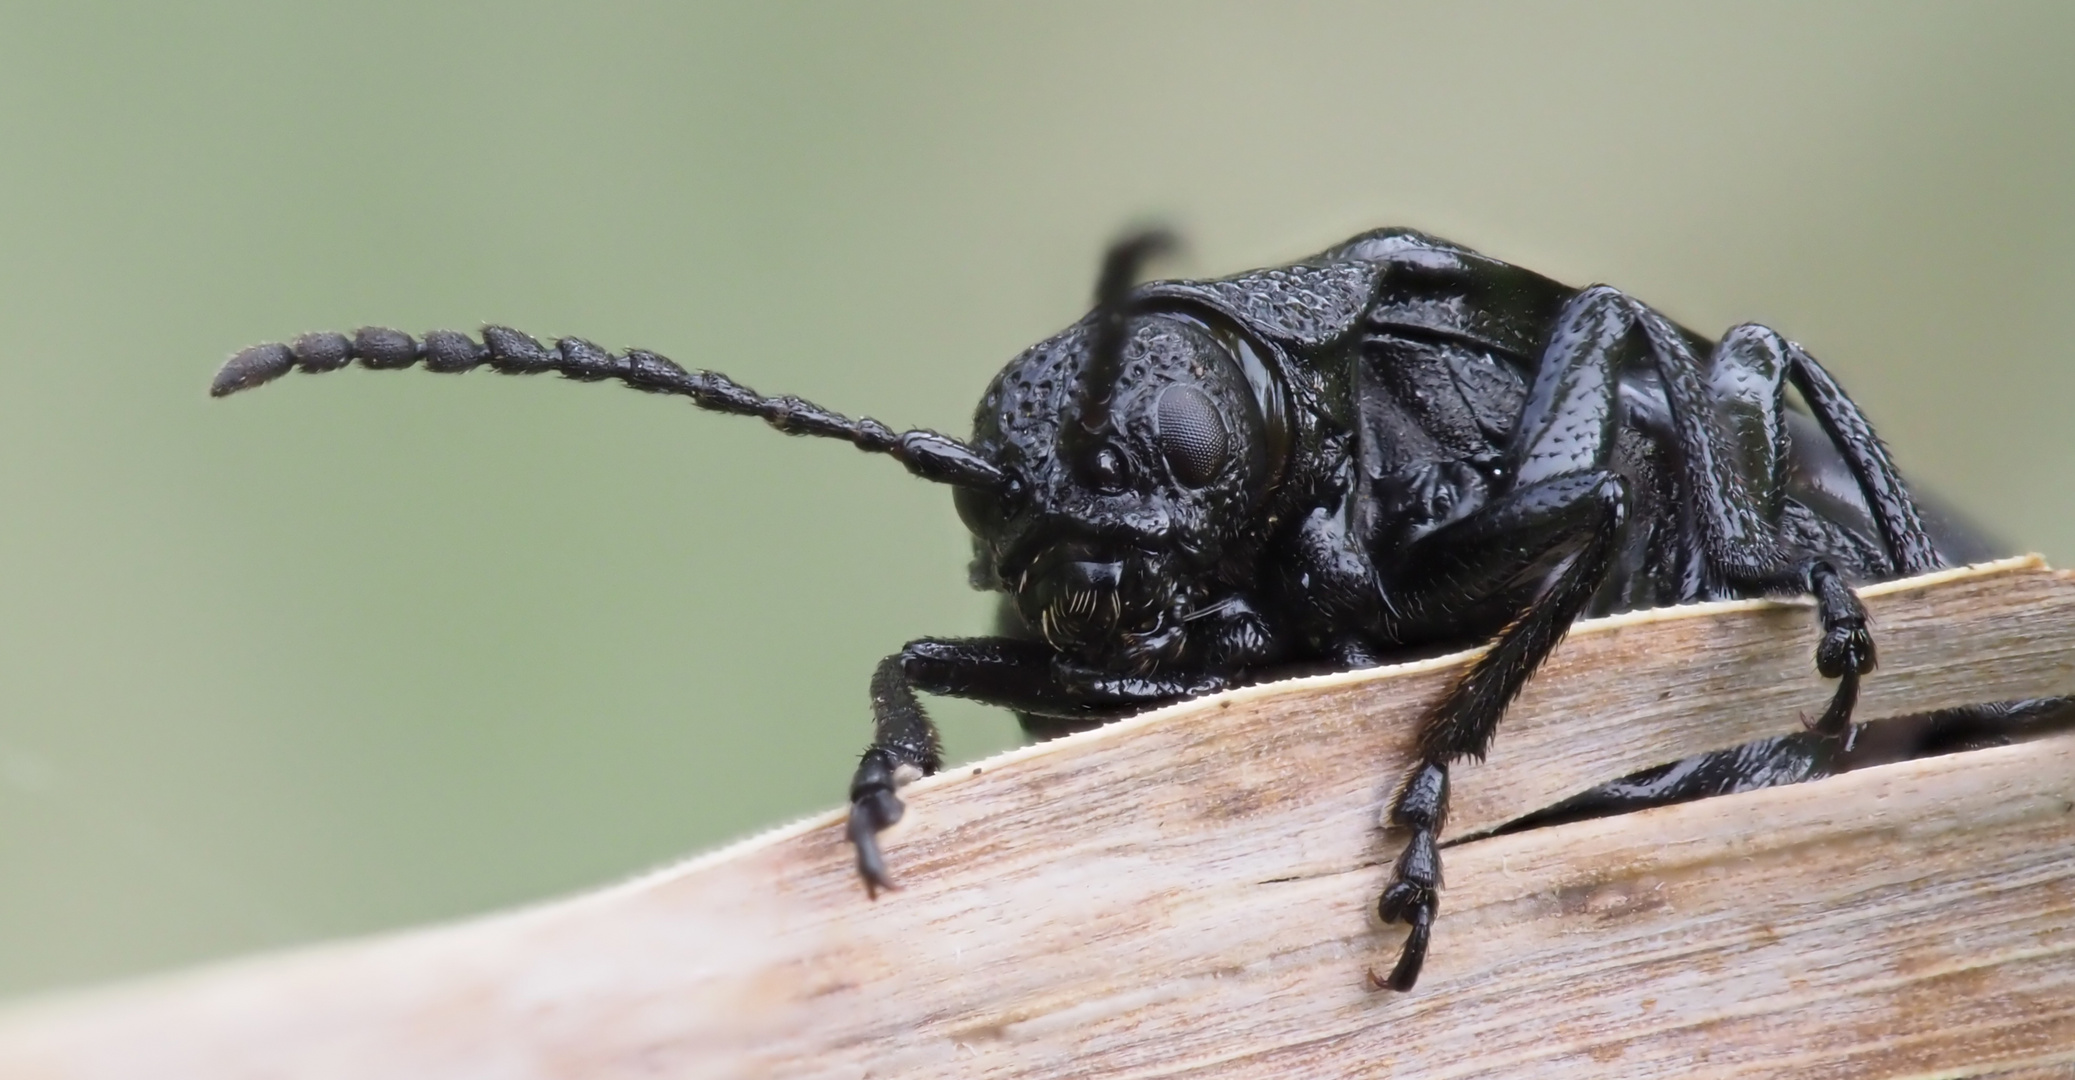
x=1190, y=893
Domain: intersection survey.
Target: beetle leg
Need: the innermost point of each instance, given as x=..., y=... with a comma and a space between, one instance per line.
x=1972, y=727
x=1570, y=524
x=904, y=747
x=1026, y=676
x=1421, y=807
x=1901, y=523
x=1552, y=538
x=1729, y=415
x=1791, y=759
x=1030, y=677
x=1737, y=481
x=1771, y=762
x=1735, y=466
x=1845, y=651
x=1561, y=532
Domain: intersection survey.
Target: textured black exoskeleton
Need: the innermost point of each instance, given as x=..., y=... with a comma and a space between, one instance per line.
x=1393, y=448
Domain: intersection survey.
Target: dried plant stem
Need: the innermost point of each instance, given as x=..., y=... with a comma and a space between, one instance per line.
x=1189, y=893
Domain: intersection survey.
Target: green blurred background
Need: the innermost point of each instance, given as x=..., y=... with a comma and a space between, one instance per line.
x=376, y=649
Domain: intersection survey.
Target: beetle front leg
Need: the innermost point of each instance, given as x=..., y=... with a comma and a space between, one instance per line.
x=1031, y=677
x=905, y=747
x=1026, y=676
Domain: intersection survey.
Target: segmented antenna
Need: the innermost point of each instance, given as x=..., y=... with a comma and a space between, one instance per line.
x=1121, y=266
x=927, y=454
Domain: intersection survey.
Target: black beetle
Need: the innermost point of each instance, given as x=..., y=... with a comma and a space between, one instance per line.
x=1396, y=447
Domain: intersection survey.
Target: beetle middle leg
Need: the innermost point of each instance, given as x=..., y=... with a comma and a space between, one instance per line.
x=1572, y=522
x=1551, y=539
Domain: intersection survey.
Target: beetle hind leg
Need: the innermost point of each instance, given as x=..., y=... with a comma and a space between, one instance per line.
x=1730, y=414
x=1845, y=651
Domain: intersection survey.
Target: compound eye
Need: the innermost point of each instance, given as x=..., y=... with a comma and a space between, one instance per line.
x=1192, y=435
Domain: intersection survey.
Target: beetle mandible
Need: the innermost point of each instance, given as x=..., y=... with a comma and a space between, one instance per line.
x=1397, y=446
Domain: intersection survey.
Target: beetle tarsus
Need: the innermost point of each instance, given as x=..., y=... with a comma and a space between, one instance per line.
x=1413, y=903
x=1413, y=896
x=869, y=815
x=1405, y=974
x=1844, y=653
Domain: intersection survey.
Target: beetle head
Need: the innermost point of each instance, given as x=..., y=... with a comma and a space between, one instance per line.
x=1137, y=477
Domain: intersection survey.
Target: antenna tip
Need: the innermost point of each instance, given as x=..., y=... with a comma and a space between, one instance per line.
x=251, y=367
